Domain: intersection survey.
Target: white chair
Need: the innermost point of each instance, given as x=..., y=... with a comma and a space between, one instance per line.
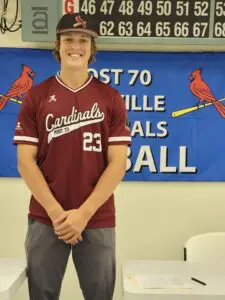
x=207, y=247
x=12, y=276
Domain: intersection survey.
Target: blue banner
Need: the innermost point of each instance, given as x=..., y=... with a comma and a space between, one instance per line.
x=175, y=104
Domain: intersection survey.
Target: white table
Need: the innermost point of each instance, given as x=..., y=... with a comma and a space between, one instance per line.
x=12, y=275
x=213, y=275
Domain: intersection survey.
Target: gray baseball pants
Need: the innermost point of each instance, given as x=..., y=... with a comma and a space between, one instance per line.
x=47, y=257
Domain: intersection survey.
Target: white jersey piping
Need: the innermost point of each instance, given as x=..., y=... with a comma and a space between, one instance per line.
x=120, y=139
x=67, y=87
x=25, y=139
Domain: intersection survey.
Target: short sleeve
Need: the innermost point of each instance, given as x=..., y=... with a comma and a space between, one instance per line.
x=26, y=131
x=119, y=129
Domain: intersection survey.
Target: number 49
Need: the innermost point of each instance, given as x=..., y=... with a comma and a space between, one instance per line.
x=90, y=139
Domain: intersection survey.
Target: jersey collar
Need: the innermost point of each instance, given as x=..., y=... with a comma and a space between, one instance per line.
x=69, y=88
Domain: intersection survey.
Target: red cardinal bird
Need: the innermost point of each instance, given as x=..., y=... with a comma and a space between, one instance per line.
x=21, y=85
x=201, y=90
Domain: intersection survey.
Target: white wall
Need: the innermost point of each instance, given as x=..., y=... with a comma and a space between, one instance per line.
x=153, y=219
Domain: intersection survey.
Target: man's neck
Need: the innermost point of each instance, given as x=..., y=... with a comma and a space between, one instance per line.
x=72, y=79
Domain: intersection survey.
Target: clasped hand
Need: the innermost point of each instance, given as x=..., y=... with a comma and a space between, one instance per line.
x=69, y=226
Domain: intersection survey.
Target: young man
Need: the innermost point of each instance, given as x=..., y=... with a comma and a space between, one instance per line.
x=72, y=144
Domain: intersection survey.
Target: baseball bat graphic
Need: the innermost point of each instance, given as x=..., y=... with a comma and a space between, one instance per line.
x=184, y=111
x=14, y=100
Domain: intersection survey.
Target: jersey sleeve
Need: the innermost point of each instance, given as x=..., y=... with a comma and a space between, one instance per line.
x=119, y=128
x=26, y=131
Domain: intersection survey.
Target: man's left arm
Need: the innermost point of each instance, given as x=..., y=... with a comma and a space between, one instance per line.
x=113, y=174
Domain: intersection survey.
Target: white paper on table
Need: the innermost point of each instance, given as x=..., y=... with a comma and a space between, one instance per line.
x=163, y=281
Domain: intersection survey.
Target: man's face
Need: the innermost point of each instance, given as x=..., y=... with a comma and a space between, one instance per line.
x=75, y=50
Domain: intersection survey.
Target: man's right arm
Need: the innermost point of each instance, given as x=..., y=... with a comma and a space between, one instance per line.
x=35, y=180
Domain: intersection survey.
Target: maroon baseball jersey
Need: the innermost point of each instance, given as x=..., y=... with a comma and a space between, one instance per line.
x=72, y=130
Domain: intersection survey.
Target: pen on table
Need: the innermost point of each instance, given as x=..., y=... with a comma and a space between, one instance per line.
x=198, y=281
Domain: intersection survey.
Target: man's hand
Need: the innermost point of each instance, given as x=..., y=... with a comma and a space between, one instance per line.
x=69, y=228
x=58, y=217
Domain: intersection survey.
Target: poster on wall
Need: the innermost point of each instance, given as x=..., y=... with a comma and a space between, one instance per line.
x=175, y=104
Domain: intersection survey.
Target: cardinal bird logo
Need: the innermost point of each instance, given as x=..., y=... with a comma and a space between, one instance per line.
x=19, y=87
x=79, y=22
x=200, y=89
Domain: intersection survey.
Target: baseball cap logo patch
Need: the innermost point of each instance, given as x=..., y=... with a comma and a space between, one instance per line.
x=79, y=22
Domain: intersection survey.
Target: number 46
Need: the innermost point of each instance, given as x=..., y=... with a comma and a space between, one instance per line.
x=90, y=139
